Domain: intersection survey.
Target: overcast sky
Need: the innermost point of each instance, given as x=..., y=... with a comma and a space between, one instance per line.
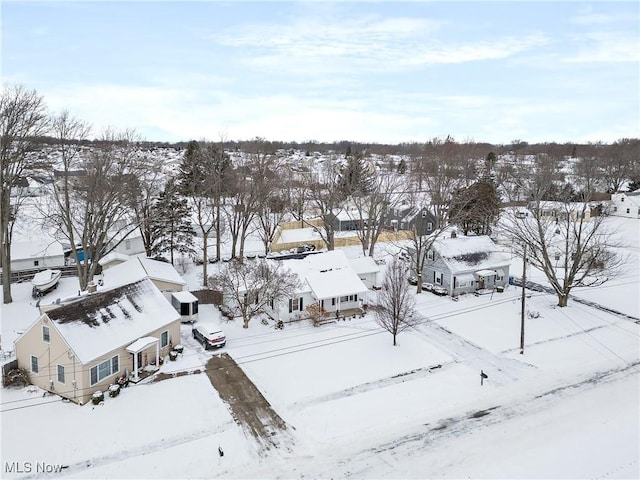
x=384, y=72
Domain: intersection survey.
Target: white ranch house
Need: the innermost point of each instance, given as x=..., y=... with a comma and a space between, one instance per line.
x=327, y=279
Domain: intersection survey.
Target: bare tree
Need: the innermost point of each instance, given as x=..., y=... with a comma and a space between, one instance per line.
x=620, y=163
x=251, y=287
x=394, y=309
x=441, y=181
x=93, y=196
x=326, y=199
x=571, y=248
x=372, y=209
x=150, y=183
x=23, y=117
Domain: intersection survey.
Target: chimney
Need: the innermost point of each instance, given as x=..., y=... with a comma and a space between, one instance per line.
x=91, y=287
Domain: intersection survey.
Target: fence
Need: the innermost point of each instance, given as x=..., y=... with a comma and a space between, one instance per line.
x=19, y=276
x=208, y=297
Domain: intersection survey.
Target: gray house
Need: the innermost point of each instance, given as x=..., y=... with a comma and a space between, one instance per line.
x=407, y=216
x=466, y=264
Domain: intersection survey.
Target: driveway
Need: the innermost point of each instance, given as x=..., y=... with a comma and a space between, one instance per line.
x=248, y=406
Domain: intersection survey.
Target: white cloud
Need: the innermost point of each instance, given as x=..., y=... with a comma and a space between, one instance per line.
x=368, y=44
x=605, y=47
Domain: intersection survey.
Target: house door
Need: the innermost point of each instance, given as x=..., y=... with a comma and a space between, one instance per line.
x=480, y=283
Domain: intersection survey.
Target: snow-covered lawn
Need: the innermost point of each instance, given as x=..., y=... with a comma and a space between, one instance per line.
x=569, y=407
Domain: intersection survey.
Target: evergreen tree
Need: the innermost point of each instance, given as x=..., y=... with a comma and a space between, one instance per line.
x=357, y=177
x=171, y=224
x=476, y=208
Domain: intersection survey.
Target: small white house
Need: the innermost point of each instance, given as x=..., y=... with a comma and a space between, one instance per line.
x=625, y=204
x=327, y=279
x=40, y=253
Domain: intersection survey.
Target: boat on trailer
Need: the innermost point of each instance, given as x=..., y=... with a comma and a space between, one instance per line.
x=45, y=281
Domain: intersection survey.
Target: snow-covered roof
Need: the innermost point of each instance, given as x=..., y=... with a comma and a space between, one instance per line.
x=471, y=253
x=102, y=322
x=113, y=257
x=335, y=283
x=138, y=268
x=364, y=265
x=39, y=248
x=351, y=214
x=184, y=296
x=327, y=274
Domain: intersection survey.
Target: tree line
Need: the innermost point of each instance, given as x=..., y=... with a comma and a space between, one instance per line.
x=98, y=197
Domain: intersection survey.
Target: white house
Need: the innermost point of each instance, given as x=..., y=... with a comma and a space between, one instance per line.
x=625, y=204
x=39, y=253
x=327, y=279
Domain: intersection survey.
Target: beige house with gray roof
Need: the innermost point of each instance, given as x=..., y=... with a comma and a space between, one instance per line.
x=86, y=345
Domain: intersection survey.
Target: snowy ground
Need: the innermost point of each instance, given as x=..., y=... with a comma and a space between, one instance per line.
x=361, y=408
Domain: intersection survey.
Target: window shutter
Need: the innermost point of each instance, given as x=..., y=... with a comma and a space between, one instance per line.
x=300, y=303
x=290, y=305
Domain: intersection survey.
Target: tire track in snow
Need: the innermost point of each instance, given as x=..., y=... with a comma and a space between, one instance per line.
x=132, y=452
x=462, y=424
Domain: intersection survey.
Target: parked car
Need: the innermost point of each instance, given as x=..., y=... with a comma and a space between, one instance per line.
x=412, y=280
x=210, y=336
x=441, y=291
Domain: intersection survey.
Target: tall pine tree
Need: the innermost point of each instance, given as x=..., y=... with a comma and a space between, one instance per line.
x=171, y=223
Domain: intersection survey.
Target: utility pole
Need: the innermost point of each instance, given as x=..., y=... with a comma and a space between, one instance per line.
x=524, y=280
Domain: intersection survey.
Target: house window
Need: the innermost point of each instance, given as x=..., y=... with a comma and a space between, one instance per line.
x=424, y=214
x=430, y=254
x=401, y=225
x=105, y=369
x=164, y=339
x=194, y=307
x=615, y=209
x=622, y=199
x=61, y=373
x=34, y=364
x=429, y=226
x=184, y=309
x=628, y=210
x=46, y=337
x=36, y=263
x=295, y=304
x=345, y=298
x=439, y=279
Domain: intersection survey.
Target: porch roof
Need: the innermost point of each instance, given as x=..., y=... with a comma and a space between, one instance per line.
x=141, y=344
